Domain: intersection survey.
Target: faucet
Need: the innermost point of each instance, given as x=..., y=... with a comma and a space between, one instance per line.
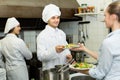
x=80, y=56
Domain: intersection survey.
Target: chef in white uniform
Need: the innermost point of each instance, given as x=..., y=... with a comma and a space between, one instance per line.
x=15, y=50
x=51, y=41
x=2, y=66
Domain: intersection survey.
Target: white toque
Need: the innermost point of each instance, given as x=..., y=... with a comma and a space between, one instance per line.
x=50, y=11
x=10, y=24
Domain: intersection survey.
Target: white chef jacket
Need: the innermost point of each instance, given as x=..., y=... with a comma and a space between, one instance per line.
x=15, y=50
x=46, y=42
x=2, y=74
x=2, y=66
x=1, y=57
x=109, y=59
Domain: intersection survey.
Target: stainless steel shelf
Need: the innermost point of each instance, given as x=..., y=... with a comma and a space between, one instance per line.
x=85, y=14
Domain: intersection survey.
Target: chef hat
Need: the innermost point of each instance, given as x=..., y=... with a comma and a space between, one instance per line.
x=49, y=11
x=10, y=24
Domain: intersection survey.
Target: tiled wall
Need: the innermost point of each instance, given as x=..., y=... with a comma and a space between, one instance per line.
x=30, y=40
x=70, y=28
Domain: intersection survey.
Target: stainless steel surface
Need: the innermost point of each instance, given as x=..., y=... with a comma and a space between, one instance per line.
x=60, y=72
x=80, y=76
x=79, y=56
x=69, y=38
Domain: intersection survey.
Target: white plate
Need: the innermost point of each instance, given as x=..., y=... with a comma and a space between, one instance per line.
x=77, y=69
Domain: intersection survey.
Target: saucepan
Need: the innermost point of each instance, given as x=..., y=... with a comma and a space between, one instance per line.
x=60, y=72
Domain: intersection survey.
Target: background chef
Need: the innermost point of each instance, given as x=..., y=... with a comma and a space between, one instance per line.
x=2, y=66
x=15, y=50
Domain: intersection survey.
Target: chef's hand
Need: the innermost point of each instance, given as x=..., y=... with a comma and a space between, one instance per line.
x=81, y=48
x=59, y=48
x=69, y=57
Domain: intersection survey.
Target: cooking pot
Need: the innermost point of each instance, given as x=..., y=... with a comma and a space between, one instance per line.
x=55, y=74
x=60, y=72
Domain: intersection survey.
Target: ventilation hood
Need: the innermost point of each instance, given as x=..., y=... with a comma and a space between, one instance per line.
x=33, y=8
x=29, y=12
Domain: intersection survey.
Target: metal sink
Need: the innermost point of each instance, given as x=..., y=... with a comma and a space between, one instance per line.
x=80, y=76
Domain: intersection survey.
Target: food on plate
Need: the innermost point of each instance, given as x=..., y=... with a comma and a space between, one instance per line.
x=71, y=46
x=82, y=65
